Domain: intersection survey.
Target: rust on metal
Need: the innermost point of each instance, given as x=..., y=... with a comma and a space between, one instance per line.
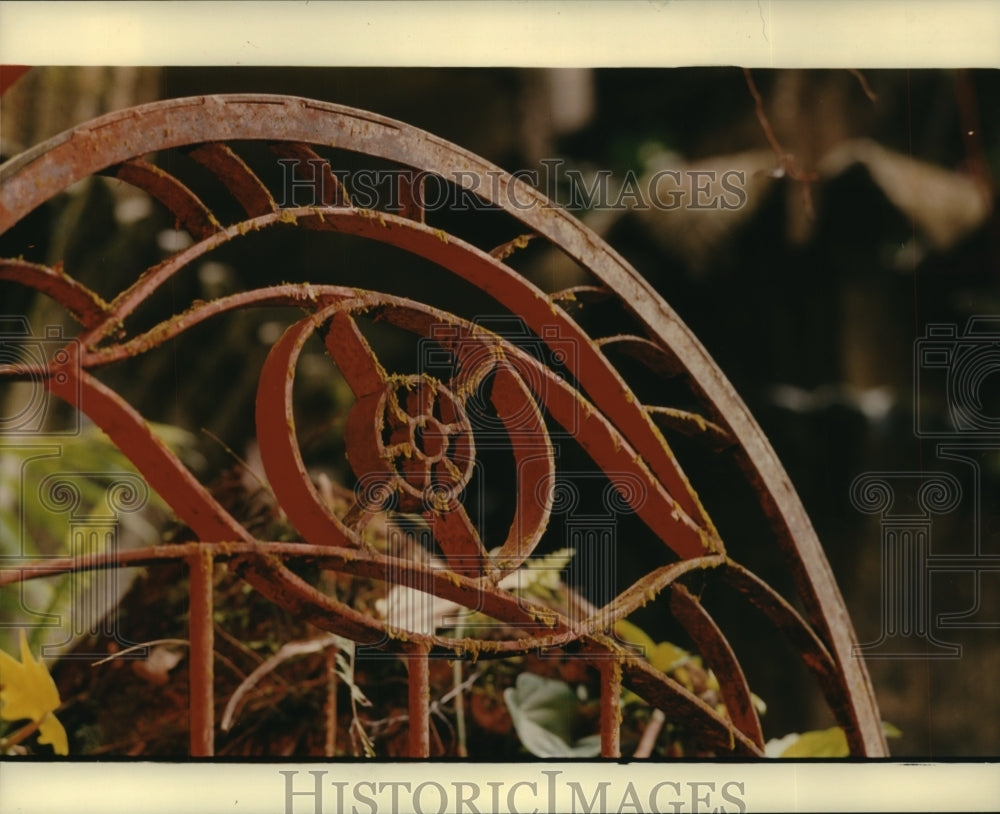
x=415, y=441
x=187, y=208
x=201, y=655
x=720, y=657
x=611, y=708
x=418, y=668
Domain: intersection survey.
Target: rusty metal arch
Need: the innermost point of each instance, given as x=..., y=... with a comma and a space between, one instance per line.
x=619, y=433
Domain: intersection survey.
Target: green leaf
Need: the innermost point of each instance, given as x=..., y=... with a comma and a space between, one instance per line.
x=28, y=528
x=543, y=711
x=830, y=742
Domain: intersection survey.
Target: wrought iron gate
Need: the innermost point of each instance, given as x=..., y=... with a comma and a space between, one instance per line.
x=566, y=378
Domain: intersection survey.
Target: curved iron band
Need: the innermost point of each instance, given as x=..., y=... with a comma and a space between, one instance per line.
x=601, y=381
x=286, y=469
x=534, y=458
x=601, y=439
x=679, y=704
x=241, y=181
x=113, y=139
x=718, y=654
x=325, y=185
x=606, y=441
x=189, y=210
x=520, y=613
x=596, y=375
x=162, y=470
x=83, y=304
x=53, y=166
x=594, y=372
x=782, y=615
x=702, y=628
x=287, y=294
x=196, y=507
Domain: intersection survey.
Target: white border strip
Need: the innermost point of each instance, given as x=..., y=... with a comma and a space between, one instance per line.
x=554, y=33
x=146, y=788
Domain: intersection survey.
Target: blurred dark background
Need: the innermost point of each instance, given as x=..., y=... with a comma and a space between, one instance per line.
x=814, y=297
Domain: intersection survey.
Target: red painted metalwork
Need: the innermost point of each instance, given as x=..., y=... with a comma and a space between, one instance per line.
x=202, y=636
x=409, y=437
x=9, y=74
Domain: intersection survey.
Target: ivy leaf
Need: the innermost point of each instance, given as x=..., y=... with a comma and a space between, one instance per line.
x=543, y=711
x=28, y=691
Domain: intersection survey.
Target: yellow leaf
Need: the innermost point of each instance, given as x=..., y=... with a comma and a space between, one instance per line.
x=51, y=731
x=28, y=691
x=663, y=656
x=634, y=635
x=666, y=657
x=890, y=730
x=830, y=742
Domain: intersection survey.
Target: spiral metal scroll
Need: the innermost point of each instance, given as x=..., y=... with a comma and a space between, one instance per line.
x=413, y=440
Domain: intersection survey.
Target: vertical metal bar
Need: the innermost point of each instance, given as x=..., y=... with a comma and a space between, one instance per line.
x=201, y=665
x=418, y=666
x=611, y=707
x=330, y=747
